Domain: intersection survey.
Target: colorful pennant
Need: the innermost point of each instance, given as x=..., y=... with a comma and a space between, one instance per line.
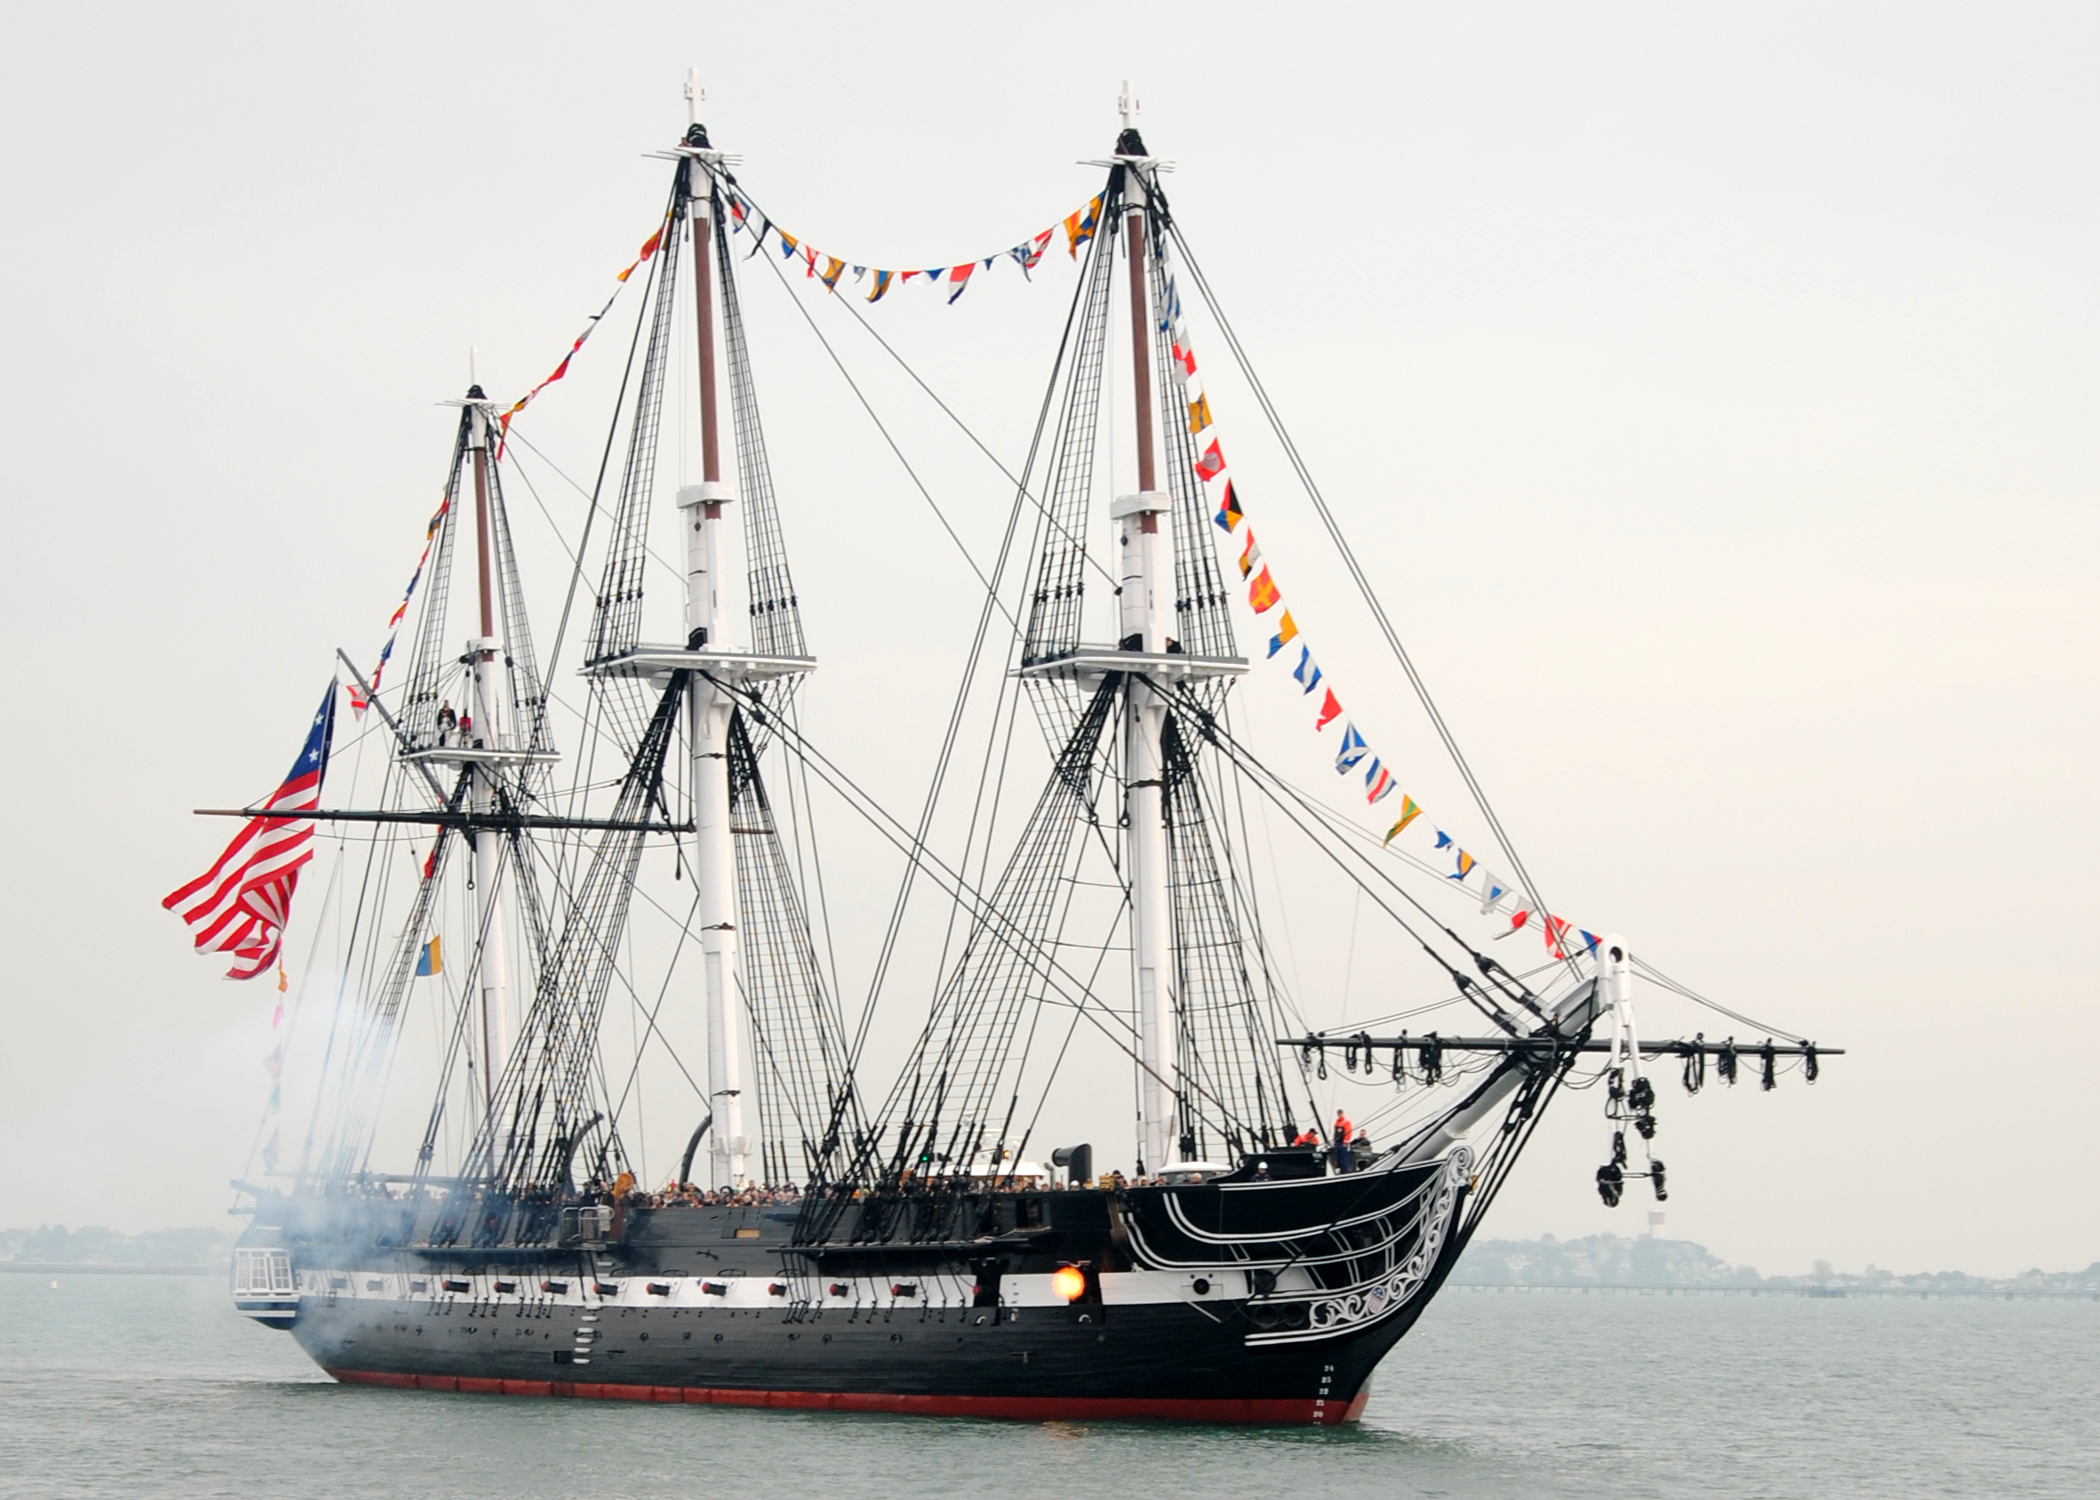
x=649, y=247
x=358, y=702
x=1308, y=671
x=1265, y=594
x=1079, y=226
x=1353, y=750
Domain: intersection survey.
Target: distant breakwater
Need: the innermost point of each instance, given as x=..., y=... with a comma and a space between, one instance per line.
x=1610, y=1262
x=1982, y=1295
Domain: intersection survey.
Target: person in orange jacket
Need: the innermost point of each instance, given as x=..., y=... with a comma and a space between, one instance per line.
x=1343, y=1130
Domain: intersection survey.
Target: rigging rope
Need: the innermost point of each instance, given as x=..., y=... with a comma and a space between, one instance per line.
x=612, y=433
x=991, y=588
x=919, y=855
x=1696, y=998
x=1355, y=568
x=1269, y=782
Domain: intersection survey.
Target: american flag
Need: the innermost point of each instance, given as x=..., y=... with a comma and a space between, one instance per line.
x=241, y=904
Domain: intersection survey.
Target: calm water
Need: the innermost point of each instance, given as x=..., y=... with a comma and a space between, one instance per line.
x=151, y=1386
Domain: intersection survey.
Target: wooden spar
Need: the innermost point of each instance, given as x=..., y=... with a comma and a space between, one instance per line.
x=441, y=818
x=1553, y=1044
x=493, y=967
x=1141, y=351
x=704, y=324
x=481, y=527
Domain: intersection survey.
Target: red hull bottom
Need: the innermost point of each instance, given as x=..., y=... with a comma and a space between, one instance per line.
x=1011, y=1408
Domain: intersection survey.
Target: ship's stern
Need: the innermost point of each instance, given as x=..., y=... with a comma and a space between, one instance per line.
x=263, y=1285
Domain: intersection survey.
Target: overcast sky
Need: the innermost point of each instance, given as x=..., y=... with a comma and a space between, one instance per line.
x=1709, y=395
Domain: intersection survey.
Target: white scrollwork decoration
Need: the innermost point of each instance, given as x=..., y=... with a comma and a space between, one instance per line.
x=1378, y=1299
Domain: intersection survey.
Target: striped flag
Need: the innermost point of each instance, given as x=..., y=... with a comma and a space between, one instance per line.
x=1308, y=671
x=241, y=904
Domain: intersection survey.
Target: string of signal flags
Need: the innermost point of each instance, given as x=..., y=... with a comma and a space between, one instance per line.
x=746, y=218
x=1353, y=754
x=1264, y=594
x=952, y=278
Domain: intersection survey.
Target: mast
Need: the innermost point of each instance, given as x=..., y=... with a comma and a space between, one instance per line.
x=1144, y=524
x=482, y=654
x=708, y=708
x=704, y=676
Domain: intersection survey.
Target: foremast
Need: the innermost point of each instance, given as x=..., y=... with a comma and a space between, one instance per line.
x=708, y=705
x=1123, y=718
x=1145, y=584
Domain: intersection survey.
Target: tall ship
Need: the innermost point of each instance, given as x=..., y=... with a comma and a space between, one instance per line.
x=553, y=883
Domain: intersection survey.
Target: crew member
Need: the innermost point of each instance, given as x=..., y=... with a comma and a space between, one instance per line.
x=1343, y=1130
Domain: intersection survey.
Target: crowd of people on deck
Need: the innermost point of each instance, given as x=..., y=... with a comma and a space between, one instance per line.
x=1347, y=1148
x=686, y=1195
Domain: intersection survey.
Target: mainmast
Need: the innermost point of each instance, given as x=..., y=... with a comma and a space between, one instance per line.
x=708, y=707
x=711, y=682
x=1144, y=550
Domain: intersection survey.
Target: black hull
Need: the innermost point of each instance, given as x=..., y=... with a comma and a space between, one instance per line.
x=1343, y=1266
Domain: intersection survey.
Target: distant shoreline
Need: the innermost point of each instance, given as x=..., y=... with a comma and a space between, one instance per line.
x=109, y=1268
x=1612, y=1262
x=1980, y=1294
